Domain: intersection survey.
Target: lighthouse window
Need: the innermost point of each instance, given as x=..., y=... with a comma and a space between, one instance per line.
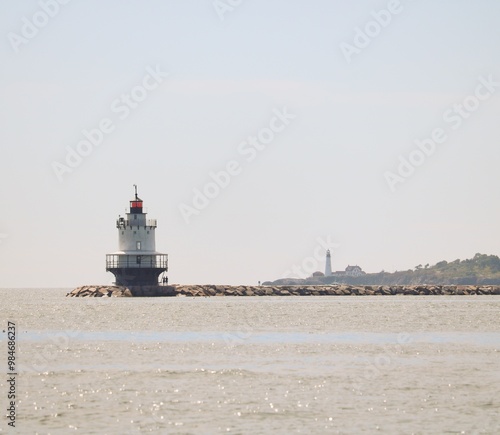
x=148, y=232
x=135, y=232
x=138, y=246
x=138, y=260
x=122, y=233
x=135, y=216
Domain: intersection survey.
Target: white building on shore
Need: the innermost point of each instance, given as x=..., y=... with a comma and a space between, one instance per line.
x=328, y=265
x=353, y=271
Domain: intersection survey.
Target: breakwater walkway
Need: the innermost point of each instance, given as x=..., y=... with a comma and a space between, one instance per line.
x=284, y=290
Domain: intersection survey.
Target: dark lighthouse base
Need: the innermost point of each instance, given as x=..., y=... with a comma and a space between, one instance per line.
x=136, y=277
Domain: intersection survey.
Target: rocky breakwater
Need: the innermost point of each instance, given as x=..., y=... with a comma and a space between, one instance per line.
x=114, y=291
x=283, y=290
x=100, y=291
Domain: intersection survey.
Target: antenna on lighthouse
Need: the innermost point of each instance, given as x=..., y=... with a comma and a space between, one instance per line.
x=135, y=187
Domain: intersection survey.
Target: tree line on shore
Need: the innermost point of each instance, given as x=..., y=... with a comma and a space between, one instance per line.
x=480, y=270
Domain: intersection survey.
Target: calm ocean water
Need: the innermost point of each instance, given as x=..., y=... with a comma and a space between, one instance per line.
x=253, y=365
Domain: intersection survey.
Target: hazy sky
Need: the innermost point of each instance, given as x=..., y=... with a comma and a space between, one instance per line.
x=334, y=97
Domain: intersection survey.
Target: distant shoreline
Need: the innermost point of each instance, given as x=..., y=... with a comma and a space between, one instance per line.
x=283, y=290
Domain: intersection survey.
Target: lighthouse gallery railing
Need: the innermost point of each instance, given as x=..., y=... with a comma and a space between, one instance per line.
x=124, y=223
x=121, y=261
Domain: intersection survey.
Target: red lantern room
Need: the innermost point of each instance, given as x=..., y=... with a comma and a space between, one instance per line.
x=136, y=203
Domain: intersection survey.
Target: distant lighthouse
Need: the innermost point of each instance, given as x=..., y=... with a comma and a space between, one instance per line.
x=328, y=265
x=137, y=262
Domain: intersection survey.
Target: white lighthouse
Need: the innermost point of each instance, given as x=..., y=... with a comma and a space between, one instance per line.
x=137, y=262
x=328, y=265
